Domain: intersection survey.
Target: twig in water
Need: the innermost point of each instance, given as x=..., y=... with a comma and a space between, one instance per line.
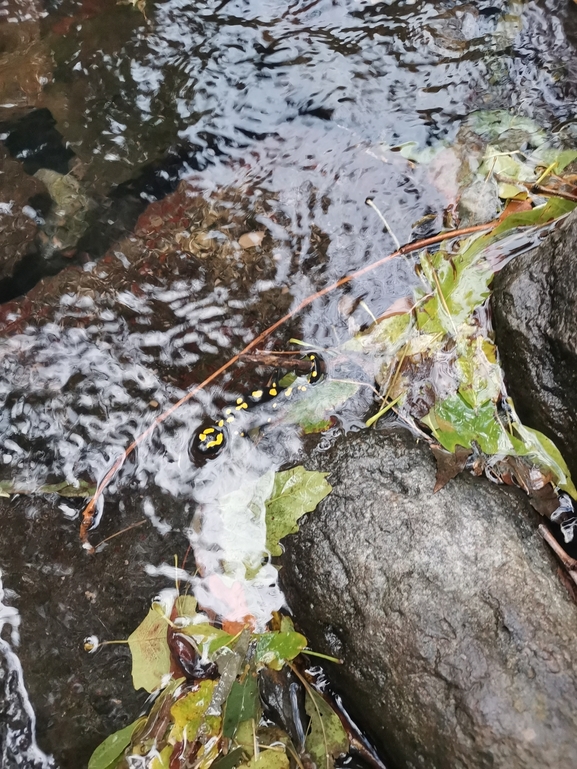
x=122, y=531
x=369, y=202
x=272, y=359
x=569, y=563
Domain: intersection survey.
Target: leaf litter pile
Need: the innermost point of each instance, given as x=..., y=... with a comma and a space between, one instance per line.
x=227, y=693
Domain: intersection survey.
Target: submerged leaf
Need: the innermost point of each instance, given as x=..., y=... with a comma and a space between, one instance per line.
x=188, y=712
x=327, y=738
x=311, y=411
x=460, y=284
x=242, y=704
x=268, y=759
x=150, y=652
x=108, y=752
x=64, y=489
x=295, y=492
x=162, y=760
x=231, y=760
x=491, y=124
x=480, y=376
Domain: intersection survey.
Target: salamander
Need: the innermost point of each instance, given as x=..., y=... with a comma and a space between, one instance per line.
x=210, y=438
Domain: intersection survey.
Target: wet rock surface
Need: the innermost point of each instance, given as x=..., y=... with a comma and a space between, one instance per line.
x=457, y=634
x=535, y=311
x=63, y=595
x=17, y=217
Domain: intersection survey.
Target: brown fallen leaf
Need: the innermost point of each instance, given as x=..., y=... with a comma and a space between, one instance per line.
x=515, y=471
x=449, y=465
x=398, y=307
x=251, y=239
x=515, y=207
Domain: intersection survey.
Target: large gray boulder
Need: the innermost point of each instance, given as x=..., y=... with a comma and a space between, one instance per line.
x=457, y=635
x=535, y=311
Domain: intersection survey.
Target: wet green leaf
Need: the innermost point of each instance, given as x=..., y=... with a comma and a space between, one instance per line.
x=507, y=191
x=275, y=648
x=411, y=151
x=295, y=492
x=543, y=452
x=455, y=423
x=327, y=738
x=207, y=638
x=553, y=209
x=288, y=379
x=388, y=335
x=185, y=606
x=108, y=752
x=459, y=283
x=150, y=653
x=268, y=759
x=546, y=156
x=231, y=760
x=188, y=712
x=242, y=704
x=311, y=409
x=481, y=379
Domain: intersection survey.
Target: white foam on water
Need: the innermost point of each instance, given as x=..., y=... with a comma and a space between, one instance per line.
x=18, y=746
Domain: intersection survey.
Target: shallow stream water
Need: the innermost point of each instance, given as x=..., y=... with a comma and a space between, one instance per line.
x=227, y=118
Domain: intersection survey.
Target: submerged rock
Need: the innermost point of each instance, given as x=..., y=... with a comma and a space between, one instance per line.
x=456, y=633
x=535, y=310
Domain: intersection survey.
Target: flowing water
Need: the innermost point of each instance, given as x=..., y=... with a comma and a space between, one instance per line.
x=224, y=118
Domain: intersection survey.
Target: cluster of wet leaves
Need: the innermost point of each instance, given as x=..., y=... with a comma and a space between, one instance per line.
x=438, y=366
x=204, y=675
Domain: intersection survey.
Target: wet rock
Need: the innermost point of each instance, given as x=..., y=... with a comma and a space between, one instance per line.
x=456, y=632
x=63, y=595
x=25, y=60
x=18, y=225
x=535, y=311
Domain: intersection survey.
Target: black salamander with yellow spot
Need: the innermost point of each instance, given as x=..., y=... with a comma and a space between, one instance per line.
x=210, y=439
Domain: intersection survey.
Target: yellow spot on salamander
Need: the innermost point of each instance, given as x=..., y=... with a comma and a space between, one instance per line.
x=221, y=423
x=216, y=442
x=241, y=405
x=228, y=411
x=288, y=392
x=208, y=431
x=302, y=388
x=314, y=373
x=257, y=394
x=239, y=400
x=230, y=419
x=273, y=391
